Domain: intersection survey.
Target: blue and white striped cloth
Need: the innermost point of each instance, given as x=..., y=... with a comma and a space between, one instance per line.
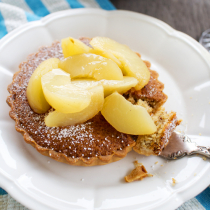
x=14, y=13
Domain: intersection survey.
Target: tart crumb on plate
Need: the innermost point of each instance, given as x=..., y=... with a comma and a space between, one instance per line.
x=138, y=173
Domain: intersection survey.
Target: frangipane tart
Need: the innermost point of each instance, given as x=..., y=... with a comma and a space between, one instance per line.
x=94, y=142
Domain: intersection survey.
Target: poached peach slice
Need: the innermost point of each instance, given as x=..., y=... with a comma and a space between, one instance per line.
x=106, y=54
x=93, y=66
x=34, y=90
x=126, y=117
x=61, y=94
x=71, y=46
x=121, y=86
x=55, y=118
x=132, y=65
x=110, y=86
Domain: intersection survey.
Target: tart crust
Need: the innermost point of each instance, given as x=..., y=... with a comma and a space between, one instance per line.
x=153, y=144
x=60, y=157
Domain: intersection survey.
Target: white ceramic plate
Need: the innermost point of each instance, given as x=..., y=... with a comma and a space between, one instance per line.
x=184, y=66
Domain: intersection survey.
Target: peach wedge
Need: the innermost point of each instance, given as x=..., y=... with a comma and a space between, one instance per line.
x=121, y=86
x=106, y=54
x=126, y=117
x=93, y=66
x=34, y=91
x=110, y=86
x=55, y=118
x=61, y=94
x=132, y=65
x=71, y=46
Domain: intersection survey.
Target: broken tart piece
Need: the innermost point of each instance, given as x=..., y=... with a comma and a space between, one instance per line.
x=154, y=143
x=152, y=97
x=138, y=173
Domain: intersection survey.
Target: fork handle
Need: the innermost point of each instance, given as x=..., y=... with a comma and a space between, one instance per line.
x=201, y=150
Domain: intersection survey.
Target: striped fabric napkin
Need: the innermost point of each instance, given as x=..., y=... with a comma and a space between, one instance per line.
x=14, y=13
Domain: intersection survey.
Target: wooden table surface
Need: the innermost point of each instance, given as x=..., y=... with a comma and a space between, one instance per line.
x=189, y=16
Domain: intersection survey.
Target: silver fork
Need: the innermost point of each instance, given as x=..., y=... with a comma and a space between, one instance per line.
x=205, y=39
x=181, y=145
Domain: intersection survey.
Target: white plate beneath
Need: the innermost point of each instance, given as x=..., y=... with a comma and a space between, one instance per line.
x=184, y=66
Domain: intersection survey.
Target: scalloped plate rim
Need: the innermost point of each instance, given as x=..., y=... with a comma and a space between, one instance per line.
x=11, y=184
